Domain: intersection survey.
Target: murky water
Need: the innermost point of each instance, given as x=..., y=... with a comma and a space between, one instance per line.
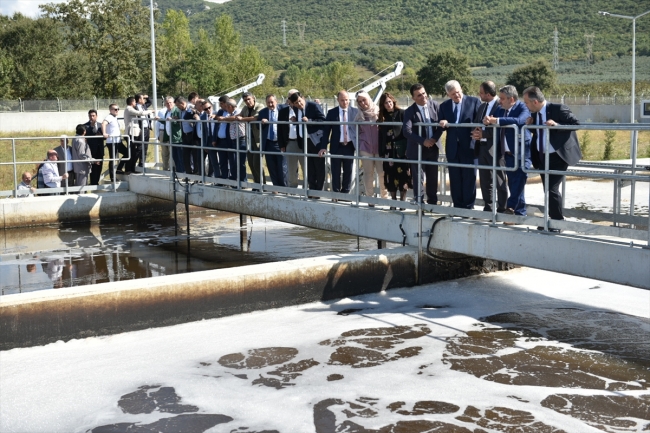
x=48, y=257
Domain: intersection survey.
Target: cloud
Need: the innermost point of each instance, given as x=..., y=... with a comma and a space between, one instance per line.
x=26, y=7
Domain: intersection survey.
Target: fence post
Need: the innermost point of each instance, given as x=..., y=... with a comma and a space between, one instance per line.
x=20, y=106
x=58, y=103
x=95, y=105
x=588, y=96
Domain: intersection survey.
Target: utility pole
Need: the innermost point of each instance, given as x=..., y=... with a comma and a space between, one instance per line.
x=556, y=62
x=301, y=31
x=284, y=32
x=590, y=48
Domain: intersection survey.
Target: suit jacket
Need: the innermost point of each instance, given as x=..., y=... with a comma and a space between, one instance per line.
x=265, y=114
x=459, y=140
x=412, y=133
x=283, y=130
x=487, y=133
x=96, y=144
x=81, y=150
x=564, y=142
x=518, y=115
x=61, y=153
x=312, y=111
x=332, y=133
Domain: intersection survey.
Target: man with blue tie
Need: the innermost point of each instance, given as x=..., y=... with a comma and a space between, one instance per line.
x=564, y=149
x=275, y=163
x=309, y=113
x=341, y=141
x=512, y=112
x=459, y=144
x=423, y=110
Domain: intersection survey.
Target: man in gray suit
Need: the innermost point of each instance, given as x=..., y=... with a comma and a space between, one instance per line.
x=564, y=148
x=82, y=156
x=483, y=150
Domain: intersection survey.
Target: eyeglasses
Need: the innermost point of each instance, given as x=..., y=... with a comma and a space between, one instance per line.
x=207, y=108
x=116, y=109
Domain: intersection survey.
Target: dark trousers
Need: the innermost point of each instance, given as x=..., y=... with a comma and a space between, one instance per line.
x=190, y=159
x=276, y=164
x=177, y=156
x=136, y=153
x=97, y=152
x=315, y=167
x=234, y=144
x=431, y=174
x=555, y=162
x=145, y=147
x=462, y=181
x=224, y=169
x=255, y=162
x=114, y=151
x=516, y=184
x=485, y=179
x=213, y=170
x=346, y=164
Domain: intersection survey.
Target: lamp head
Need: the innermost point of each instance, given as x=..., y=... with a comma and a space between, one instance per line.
x=603, y=13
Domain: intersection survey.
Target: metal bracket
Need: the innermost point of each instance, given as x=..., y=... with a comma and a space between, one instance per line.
x=425, y=234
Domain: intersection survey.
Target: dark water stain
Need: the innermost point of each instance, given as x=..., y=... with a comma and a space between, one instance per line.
x=258, y=358
x=287, y=373
x=272, y=382
x=610, y=413
x=153, y=397
x=424, y=407
x=370, y=347
x=506, y=420
x=348, y=311
x=193, y=423
x=336, y=415
x=609, y=351
x=333, y=377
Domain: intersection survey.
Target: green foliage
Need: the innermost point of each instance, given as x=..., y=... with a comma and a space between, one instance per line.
x=585, y=141
x=113, y=35
x=444, y=66
x=610, y=135
x=538, y=73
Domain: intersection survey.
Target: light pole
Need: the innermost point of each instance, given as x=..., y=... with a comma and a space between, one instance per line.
x=154, y=91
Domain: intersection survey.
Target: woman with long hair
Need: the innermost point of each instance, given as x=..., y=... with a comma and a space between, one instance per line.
x=392, y=144
x=369, y=144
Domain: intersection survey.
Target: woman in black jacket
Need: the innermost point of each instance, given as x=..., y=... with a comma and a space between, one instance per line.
x=392, y=144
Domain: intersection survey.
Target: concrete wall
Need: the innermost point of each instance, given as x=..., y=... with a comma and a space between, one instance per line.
x=66, y=121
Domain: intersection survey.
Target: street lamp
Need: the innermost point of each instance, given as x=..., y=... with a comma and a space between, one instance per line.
x=633, y=141
x=154, y=92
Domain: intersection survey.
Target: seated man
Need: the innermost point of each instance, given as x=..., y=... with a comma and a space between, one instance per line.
x=50, y=172
x=25, y=188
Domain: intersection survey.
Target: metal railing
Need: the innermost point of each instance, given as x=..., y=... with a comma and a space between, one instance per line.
x=623, y=225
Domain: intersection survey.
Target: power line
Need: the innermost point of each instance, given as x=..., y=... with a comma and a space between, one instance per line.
x=284, y=32
x=301, y=31
x=590, y=45
x=556, y=61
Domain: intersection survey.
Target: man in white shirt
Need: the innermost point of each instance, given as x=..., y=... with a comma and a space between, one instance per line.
x=163, y=134
x=50, y=171
x=288, y=138
x=25, y=188
x=112, y=134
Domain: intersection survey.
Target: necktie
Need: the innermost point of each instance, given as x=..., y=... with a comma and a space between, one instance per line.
x=299, y=119
x=272, y=132
x=541, y=134
x=345, y=127
x=503, y=136
x=427, y=119
x=455, y=113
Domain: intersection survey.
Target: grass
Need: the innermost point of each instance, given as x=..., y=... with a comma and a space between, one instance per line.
x=34, y=149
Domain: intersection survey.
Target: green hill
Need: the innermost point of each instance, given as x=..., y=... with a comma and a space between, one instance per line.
x=374, y=33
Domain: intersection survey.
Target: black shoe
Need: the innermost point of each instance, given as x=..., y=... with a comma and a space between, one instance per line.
x=119, y=171
x=550, y=230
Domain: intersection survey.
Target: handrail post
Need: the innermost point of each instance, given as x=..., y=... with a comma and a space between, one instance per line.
x=305, y=166
x=419, y=201
x=494, y=174
x=357, y=162
x=13, y=151
x=546, y=177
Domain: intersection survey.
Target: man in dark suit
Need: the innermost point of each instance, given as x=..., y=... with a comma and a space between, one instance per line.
x=483, y=140
x=459, y=145
x=341, y=141
x=564, y=149
x=96, y=144
x=512, y=112
x=276, y=164
x=64, y=154
x=423, y=110
x=310, y=114
x=288, y=141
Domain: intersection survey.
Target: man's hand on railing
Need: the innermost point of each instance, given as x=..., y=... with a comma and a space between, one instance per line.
x=477, y=134
x=443, y=124
x=429, y=142
x=529, y=121
x=322, y=152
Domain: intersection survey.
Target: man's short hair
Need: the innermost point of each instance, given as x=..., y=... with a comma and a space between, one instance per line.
x=80, y=129
x=291, y=92
x=451, y=85
x=92, y=110
x=271, y=95
x=51, y=152
x=509, y=91
x=25, y=174
x=192, y=96
x=489, y=87
x=339, y=94
x=232, y=102
x=169, y=98
x=179, y=100
x=130, y=100
x=138, y=97
x=112, y=106
x=223, y=99
x=294, y=97
x=415, y=87
x=534, y=94
x=247, y=94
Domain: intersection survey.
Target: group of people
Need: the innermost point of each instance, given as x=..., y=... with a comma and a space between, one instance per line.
x=466, y=145
x=387, y=137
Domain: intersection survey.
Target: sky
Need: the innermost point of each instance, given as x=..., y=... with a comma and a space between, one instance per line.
x=30, y=7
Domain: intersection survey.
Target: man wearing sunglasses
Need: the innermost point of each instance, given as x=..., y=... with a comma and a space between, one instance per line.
x=111, y=132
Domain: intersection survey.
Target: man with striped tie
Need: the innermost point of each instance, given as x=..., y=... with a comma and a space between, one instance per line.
x=275, y=163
